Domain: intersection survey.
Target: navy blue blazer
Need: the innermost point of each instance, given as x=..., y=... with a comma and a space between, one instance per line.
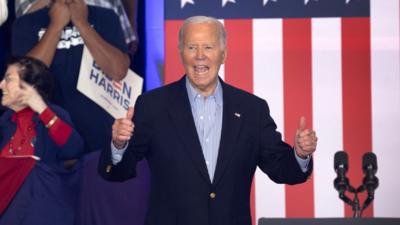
x=49, y=193
x=181, y=190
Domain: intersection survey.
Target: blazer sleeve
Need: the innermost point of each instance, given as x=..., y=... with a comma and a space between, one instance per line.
x=276, y=157
x=73, y=146
x=138, y=147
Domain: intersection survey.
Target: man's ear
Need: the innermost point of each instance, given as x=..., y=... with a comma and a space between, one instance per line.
x=224, y=55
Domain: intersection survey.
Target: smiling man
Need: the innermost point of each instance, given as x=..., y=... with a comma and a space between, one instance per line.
x=203, y=140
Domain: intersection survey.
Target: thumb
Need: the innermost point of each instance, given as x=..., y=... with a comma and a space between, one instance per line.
x=302, y=124
x=129, y=114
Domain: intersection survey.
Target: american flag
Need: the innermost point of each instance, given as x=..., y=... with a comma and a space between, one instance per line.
x=334, y=61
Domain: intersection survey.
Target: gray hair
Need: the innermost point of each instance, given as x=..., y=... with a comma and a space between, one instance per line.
x=202, y=19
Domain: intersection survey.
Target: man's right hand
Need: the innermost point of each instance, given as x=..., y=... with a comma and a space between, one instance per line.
x=59, y=14
x=122, y=129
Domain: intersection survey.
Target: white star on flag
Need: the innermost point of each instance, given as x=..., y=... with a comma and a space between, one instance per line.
x=306, y=1
x=226, y=1
x=183, y=2
x=347, y=1
x=266, y=1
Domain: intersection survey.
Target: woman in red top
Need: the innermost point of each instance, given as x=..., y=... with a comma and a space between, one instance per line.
x=35, y=140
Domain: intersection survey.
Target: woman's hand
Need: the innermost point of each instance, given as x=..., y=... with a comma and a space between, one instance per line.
x=29, y=96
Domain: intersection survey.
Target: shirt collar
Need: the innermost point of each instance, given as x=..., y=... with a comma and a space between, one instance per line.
x=193, y=94
x=26, y=113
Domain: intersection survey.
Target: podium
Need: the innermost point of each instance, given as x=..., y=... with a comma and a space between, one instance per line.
x=329, y=221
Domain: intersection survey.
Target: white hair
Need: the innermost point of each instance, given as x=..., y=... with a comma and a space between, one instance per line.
x=203, y=19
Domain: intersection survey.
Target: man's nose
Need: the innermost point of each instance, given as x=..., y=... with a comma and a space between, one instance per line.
x=200, y=54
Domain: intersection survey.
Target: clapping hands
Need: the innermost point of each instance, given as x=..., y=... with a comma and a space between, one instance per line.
x=63, y=11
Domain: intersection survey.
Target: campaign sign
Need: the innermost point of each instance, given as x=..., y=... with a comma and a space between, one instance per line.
x=113, y=96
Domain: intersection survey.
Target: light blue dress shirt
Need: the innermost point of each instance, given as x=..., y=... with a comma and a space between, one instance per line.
x=207, y=115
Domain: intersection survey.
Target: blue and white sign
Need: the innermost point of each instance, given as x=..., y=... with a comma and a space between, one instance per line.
x=113, y=96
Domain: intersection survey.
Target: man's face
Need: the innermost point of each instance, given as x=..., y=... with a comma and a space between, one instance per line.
x=202, y=54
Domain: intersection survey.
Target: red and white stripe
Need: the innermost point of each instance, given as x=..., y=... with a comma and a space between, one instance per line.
x=117, y=84
x=343, y=74
x=385, y=90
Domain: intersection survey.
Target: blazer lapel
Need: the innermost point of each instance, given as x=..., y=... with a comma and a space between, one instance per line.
x=181, y=115
x=231, y=121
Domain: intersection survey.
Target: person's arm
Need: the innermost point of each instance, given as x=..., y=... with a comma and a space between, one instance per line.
x=59, y=131
x=62, y=132
x=138, y=137
x=56, y=121
x=45, y=49
x=111, y=60
x=276, y=158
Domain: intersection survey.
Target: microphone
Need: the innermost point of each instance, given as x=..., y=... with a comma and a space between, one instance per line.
x=370, y=181
x=341, y=165
x=369, y=166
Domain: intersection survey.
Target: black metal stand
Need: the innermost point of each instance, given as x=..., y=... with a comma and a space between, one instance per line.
x=355, y=203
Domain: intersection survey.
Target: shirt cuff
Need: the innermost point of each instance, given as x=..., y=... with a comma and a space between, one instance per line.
x=117, y=154
x=303, y=163
x=46, y=116
x=59, y=131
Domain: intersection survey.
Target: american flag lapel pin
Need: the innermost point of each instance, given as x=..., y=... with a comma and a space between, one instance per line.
x=237, y=114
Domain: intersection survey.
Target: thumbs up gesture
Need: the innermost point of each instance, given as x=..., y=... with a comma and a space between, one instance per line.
x=122, y=129
x=305, y=141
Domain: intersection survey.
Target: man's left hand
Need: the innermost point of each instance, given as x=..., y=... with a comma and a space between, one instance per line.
x=305, y=141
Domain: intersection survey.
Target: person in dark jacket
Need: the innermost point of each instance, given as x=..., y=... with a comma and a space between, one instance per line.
x=203, y=140
x=36, y=139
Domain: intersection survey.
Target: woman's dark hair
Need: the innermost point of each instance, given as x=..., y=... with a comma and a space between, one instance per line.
x=35, y=73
